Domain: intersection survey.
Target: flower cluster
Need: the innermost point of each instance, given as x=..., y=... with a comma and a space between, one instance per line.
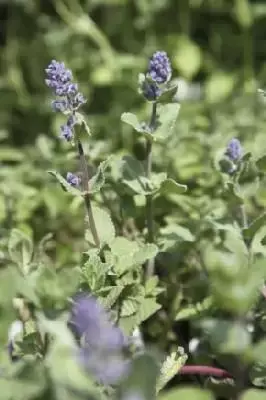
x=73, y=179
x=160, y=69
x=59, y=79
x=232, y=155
x=159, y=73
x=102, y=342
x=234, y=150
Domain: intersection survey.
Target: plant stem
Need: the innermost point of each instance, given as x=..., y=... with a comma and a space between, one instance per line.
x=244, y=219
x=86, y=195
x=204, y=370
x=149, y=205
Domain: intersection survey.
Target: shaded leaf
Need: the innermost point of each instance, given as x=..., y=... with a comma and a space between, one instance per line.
x=194, y=309
x=133, y=176
x=98, y=180
x=20, y=249
x=104, y=226
x=147, y=308
x=167, y=116
x=254, y=226
x=171, y=186
x=187, y=394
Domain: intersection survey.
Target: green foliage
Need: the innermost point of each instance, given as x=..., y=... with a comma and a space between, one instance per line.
x=200, y=275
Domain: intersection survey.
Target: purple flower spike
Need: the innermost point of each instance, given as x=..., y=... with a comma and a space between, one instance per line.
x=159, y=67
x=59, y=79
x=234, y=150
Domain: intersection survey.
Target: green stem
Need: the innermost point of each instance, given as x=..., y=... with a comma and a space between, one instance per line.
x=243, y=214
x=86, y=196
x=149, y=199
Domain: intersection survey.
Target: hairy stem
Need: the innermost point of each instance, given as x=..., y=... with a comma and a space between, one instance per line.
x=204, y=370
x=86, y=196
x=149, y=205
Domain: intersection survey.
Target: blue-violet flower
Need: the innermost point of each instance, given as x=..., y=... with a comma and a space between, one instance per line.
x=150, y=90
x=59, y=79
x=72, y=179
x=234, y=150
x=160, y=69
x=102, y=342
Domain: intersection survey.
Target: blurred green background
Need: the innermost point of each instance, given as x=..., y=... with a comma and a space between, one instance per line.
x=217, y=44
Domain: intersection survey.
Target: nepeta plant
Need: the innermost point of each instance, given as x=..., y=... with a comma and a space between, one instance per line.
x=80, y=329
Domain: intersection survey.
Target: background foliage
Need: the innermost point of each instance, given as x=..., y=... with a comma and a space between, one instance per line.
x=217, y=49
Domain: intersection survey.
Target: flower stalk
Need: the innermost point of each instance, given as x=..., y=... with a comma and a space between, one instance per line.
x=86, y=195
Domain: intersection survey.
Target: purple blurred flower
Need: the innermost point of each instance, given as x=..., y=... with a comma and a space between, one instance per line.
x=234, y=150
x=159, y=67
x=72, y=179
x=66, y=132
x=102, y=342
x=88, y=318
x=108, y=367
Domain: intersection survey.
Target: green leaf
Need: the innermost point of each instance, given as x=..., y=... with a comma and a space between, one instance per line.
x=142, y=128
x=64, y=184
x=261, y=164
x=20, y=249
x=112, y=296
x=98, y=180
x=104, y=226
x=194, y=310
x=219, y=86
x=187, y=394
x=147, y=308
x=171, y=367
x=132, y=120
x=127, y=254
x=243, y=13
x=8, y=154
x=133, y=176
x=82, y=121
x=169, y=186
x=168, y=94
x=187, y=58
x=254, y=394
x=172, y=235
x=227, y=337
x=232, y=195
x=142, y=377
x=145, y=252
x=129, y=307
x=94, y=272
x=253, y=228
x=167, y=116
